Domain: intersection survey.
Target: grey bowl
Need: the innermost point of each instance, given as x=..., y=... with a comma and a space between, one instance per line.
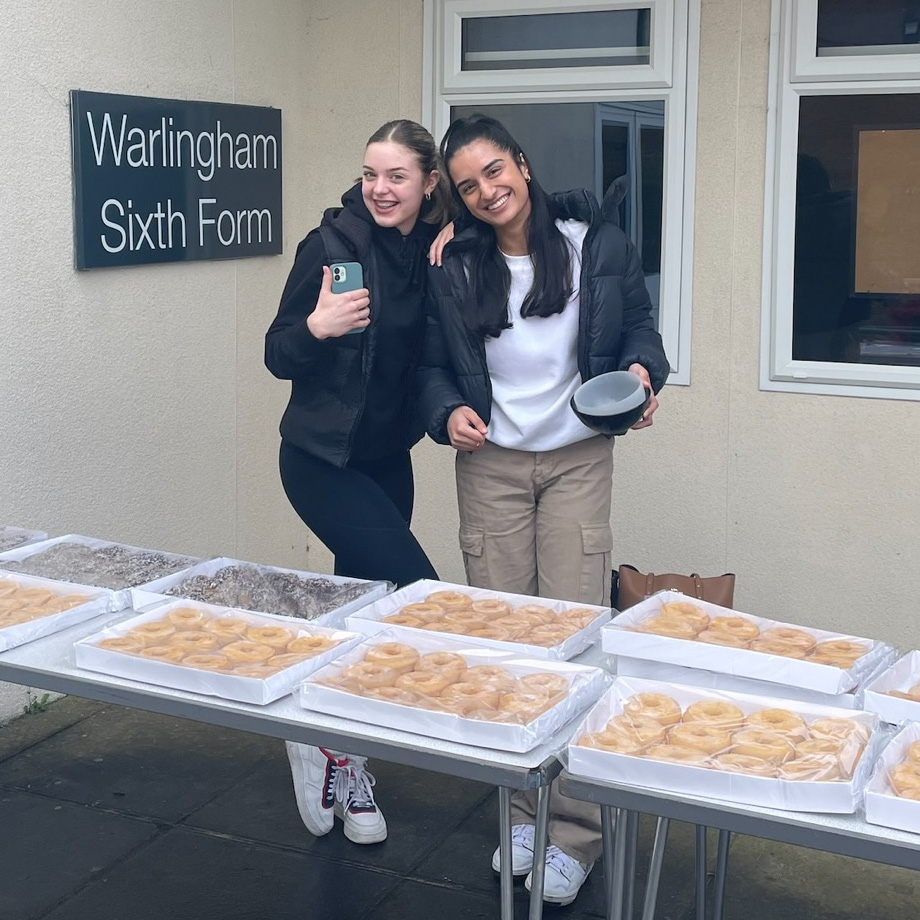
x=611, y=403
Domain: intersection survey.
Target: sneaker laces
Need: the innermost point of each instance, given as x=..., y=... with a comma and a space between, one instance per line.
x=353, y=785
x=563, y=864
x=522, y=835
x=337, y=763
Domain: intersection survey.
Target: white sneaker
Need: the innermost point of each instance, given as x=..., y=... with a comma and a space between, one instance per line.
x=563, y=879
x=315, y=771
x=355, y=805
x=521, y=851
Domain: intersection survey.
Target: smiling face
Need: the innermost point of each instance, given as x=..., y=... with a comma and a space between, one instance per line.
x=394, y=186
x=493, y=186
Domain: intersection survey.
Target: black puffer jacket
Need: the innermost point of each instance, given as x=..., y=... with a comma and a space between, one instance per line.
x=615, y=327
x=329, y=377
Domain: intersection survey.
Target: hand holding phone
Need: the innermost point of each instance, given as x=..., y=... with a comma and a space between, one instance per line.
x=343, y=305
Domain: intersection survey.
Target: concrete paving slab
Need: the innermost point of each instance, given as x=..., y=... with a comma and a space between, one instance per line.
x=24, y=732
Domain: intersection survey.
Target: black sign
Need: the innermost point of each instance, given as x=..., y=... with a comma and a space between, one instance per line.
x=164, y=180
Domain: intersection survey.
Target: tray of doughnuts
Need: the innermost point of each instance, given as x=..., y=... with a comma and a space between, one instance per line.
x=534, y=627
x=441, y=687
x=217, y=651
x=89, y=561
x=13, y=537
x=895, y=693
x=320, y=598
x=733, y=746
x=31, y=608
x=673, y=628
x=893, y=792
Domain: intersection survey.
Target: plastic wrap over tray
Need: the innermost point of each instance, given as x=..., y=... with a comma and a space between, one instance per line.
x=73, y=557
x=369, y=619
x=895, y=693
x=98, y=602
x=13, y=537
x=621, y=637
x=334, y=595
x=223, y=683
x=883, y=805
x=323, y=692
x=714, y=774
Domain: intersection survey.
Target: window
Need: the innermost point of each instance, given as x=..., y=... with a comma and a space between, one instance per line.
x=595, y=96
x=842, y=291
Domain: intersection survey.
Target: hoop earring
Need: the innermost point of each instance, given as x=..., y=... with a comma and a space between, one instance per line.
x=428, y=195
x=527, y=180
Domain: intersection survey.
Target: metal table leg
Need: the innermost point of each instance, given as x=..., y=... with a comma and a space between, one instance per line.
x=538, y=872
x=654, y=869
x=608, y=823
x=718, y=898
x=632, y=846
x=504, y=852
x=619, y=866
x=701, y=871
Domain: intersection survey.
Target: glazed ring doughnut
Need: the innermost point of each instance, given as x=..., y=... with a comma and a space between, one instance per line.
x=425, y=683
x=580, y=617
x=228, y=629
x=489, y=632
x=682, y=610
x=675, y=753
x=169, y=653
x=465, y=615
x=616, y=741
x=491, y=607
x=739, y=627
x=450, y=664
x=424, y=610
x=69, y=601
x=657, y=706
x=643, y=730
x=121, y=644
x=449, y=600
x=472, y=697
x=714, y=712
x=14, y=618
x=549, y=635
x=523, y=706
x=819, y=746
x=193, y=640
x=721, y=637
x=369, y=675
x=781, y=721
x=755, y=742
x=744, y=763
x=34, y=595
x=206, y=661
x=396, y=655
x=844, y=662
x=839, y=728
x=393, y=695
x=35, y=611
x=550, y=685
x=310, y=645
x=708, y=738
x=254, y=671
x=186, y=617
x=514, y=626
x=788, y=634
x=913, y=753
x=904, y=776
x=912, y=794
x=405, y=619
x=913, y=694
x=538, y=612
x=275, y=636
x=777, y=647
x=671, y=626
x=490, y=675
x=286, y=660
x=244, y=652
x=842, y=647
x=814, y=767
x=150, y=633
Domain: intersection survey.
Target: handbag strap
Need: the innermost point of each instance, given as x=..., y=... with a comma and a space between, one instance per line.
x=697, y=585
x=650, y=584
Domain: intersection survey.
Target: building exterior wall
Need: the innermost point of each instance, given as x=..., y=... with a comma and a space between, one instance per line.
x=135, y=405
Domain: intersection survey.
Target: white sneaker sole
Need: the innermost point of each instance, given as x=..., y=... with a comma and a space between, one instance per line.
x=358, y=834
x=298, y=775
x=517, y=873
x=559, y=900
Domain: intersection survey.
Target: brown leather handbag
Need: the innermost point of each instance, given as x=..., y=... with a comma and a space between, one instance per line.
x=629, y=586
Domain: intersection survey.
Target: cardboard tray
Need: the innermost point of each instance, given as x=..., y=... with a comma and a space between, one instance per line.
x=882, y=805
x=208, y=683
x=840, y=797
x=368, y=619
x=902, y=675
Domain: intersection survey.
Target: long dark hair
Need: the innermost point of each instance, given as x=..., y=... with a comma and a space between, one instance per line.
x=486, y=307
x=437, y=209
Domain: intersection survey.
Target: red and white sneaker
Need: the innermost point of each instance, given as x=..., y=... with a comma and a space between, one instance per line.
x=355, y=805
x=315, y=772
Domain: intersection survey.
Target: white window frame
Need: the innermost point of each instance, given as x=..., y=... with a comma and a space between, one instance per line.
x=793, y=75
x=670, y=76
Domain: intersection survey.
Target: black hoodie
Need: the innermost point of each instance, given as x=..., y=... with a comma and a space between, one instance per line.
x=350, y=396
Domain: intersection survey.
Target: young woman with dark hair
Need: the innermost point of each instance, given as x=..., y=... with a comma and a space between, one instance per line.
x=349, y=424
x=536, y=294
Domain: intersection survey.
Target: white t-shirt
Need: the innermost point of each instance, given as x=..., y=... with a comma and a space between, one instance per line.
x=534, y=364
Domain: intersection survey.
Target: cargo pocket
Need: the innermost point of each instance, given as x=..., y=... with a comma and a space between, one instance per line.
x=472, y=545
x=596, y=548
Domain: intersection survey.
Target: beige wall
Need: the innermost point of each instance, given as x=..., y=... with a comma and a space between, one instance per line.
x=134, y=404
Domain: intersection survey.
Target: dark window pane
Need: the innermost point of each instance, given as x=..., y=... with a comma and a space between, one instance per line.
x=867, y=26
x=600, y=39
x=869, y=316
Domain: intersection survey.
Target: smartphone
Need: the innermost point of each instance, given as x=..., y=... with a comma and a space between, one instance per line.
x=347, y=276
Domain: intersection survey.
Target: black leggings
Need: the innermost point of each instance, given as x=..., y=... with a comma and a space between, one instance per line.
x=361, y=513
